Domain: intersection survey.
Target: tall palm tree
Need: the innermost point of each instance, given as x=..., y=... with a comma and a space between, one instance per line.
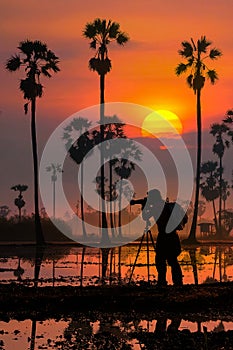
x=36, y=60
x=220, y=131
x=102, y=33
x=195, y=55
x=78, y=144
x=55, y=169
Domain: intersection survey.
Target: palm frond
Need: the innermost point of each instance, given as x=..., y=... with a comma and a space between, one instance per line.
x=26, y=47
x=113, y=30
x=30, y=89
x=214, y=54
x=26, y=108
x=90, y=31
x=190, y=80
x=122, y=38
x=202, y=44
x=102, y=67
x=40, y=49
x=228, y=120
x=181, y=68
x=44, y=71
x=214, y=129
x=93, y=44
x=13, y=63
x=187, y=50
x=212, y=75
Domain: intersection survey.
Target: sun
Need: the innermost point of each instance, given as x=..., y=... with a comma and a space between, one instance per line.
x=161, y=123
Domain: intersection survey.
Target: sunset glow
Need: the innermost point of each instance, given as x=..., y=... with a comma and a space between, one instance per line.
x=161, y=123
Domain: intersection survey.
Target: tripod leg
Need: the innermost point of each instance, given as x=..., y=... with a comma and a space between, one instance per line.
x=135, y=261
x=152, y=240
x=148, y=256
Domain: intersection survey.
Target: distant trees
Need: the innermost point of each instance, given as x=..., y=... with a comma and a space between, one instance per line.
x=54, y=169
x=37, y=61
x=195, y=55
x=19, y=201
x=220, y=131
x=209, y=185
x=78, y=144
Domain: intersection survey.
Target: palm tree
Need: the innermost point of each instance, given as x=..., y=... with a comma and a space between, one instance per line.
x=54, y=168
x=124, y=167
x=102, y=33
x=78, y=144
x=36, y=60
x=19, y=201
x=220, y=131
x=209, y=185
x=196, y=55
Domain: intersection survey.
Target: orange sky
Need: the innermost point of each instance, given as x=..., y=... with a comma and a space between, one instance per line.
x=143, y=70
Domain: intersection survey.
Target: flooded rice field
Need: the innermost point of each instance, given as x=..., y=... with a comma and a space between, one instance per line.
x=77, y=266
x=84, y=266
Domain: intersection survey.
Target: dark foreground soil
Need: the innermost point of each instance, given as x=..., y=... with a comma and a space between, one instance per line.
x=16, y=300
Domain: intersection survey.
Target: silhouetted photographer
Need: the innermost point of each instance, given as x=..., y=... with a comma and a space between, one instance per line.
x=170, y=218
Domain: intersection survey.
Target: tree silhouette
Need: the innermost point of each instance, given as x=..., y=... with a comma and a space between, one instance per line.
x=195, y=55
x=36, y=60
x=19, y=201
x=220, y=132
x=78, y=144
x=124, y=167
x=4, y=211
x=54, y=168
x=102, y=33
x=201, y=208
x=209, y=185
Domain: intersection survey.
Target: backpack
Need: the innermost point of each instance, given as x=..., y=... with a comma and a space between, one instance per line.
x=178, y=217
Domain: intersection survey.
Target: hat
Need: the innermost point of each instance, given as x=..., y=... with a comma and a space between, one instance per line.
x=154, y=194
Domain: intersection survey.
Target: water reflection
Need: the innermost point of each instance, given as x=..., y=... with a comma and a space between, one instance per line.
x=82, y=266
x=119, y=331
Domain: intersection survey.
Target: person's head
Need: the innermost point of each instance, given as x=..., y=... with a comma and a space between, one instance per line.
x=154, y=196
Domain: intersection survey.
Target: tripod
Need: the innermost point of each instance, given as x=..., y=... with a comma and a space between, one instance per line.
x=146, y=234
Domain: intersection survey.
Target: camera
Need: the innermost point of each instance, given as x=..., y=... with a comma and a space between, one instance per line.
x=139, y=201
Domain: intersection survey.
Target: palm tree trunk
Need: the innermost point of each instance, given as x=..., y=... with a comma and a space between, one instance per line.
x=110, y=198
x=220, y=199
x=54, y=198
x=82, y=203
x=33, y=334
x=38, y=228
x=19, y=214
x=215, y=217
x=119, y=217
x=192, y=234
x=104, y=225
x=105, y=253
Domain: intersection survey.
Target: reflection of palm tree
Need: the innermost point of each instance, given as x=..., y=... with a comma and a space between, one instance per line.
x=54, y=168
x=192, y=254
x=219, y=131
x=19, y=271
x=78, y=148
x=82, y=266
x=38, y=61
x=19, y=202
x=101, y=34
x=193, y=53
